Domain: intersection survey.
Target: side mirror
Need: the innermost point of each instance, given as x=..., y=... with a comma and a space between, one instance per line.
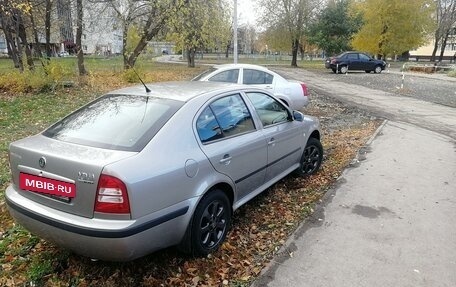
x=298, y=116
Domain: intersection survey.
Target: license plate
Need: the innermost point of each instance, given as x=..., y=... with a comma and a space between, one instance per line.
x=46, y=185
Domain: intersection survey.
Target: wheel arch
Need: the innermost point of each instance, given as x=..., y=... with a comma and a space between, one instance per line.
x=315, y=134
x=225, y=188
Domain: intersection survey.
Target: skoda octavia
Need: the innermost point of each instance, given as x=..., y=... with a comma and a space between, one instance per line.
x=138, y=170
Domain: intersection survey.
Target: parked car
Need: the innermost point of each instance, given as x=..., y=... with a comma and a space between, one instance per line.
x=63, y=54
x=135, y=171
x=293, y=93
x=354, y=61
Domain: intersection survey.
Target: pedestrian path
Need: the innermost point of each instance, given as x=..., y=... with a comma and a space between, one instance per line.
x=389, y=222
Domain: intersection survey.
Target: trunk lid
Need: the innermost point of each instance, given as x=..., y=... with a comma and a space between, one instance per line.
x=52, y=168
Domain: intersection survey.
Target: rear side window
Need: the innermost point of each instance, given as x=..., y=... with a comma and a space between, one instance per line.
x=229, y=76
x=352, y=56
x=255, y=77
x=364, y=57
x=119, y=122
x=225, y=117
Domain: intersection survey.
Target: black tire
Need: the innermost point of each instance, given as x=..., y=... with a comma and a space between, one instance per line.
x=378, y=69
x=311, y=158
x=210, y=223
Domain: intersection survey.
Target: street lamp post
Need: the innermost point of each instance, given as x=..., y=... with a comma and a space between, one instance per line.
x=235, y=39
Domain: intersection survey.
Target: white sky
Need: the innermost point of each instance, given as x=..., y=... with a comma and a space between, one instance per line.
x=247, y=12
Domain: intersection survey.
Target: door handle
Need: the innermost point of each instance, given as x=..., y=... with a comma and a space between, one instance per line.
x=226, y=159
x=271, y=141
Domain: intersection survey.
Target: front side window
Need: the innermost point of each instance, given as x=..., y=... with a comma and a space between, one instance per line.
x=255, y=77
x=223, y=118
x=119, y=122
x=229, y=76
x=269, y=109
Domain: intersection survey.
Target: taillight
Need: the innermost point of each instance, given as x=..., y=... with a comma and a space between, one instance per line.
x=111, y=196
x=305, y=91
x=333, y=61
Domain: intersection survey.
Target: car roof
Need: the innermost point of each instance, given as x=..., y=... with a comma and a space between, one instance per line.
x=179, y=91
x=246, y=66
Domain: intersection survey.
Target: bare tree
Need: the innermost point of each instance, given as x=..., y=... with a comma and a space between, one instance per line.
x=14, y=28
x=445, y=20
x=149, y=17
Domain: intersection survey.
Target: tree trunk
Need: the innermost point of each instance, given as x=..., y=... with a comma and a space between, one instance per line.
x=442, y=49
x=191, y=57
x=147, y=34
x=436, y=45
x=10, y=41
x=301, y=51
x=294, y=52
x=227, y=49
x=24, y=43
x=47, y=25
x=80, y=14
x=37, y=47
x=124, y=47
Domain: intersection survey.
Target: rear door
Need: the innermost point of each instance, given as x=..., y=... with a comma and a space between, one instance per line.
x=258, y=78
x=234, y=146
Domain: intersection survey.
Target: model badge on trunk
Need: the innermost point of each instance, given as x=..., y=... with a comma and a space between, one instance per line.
x=86, y=177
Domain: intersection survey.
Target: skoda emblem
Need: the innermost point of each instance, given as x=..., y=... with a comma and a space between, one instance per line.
x=42, y=162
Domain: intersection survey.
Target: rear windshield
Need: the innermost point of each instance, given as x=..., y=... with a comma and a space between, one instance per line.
x=203, y=74
x=120, y=122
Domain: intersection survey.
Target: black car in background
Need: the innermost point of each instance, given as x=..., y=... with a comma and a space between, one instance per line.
x=354, y=61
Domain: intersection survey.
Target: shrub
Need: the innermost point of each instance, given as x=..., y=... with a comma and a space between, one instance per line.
x=130, y=75
x=42, y=79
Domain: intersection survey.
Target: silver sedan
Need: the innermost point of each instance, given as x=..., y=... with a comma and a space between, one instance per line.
x=136, y=171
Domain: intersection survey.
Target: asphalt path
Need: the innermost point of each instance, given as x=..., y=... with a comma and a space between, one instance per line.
x=373, y=95
x=389, y=219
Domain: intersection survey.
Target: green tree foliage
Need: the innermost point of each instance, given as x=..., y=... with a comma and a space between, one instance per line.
x=200, y=24
x=292, y=18
x=393, y=27
x=275, y=39
x=334, y=29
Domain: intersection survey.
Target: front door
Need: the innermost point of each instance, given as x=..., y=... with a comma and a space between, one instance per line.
x=232, y=143
x=283, y=136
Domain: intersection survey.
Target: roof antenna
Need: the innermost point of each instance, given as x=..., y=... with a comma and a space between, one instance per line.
x=147, y=89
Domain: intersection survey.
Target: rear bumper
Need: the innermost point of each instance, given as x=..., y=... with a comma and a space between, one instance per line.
x=105, y=239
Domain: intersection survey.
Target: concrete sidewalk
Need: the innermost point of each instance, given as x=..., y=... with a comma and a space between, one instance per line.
x=389, y=222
